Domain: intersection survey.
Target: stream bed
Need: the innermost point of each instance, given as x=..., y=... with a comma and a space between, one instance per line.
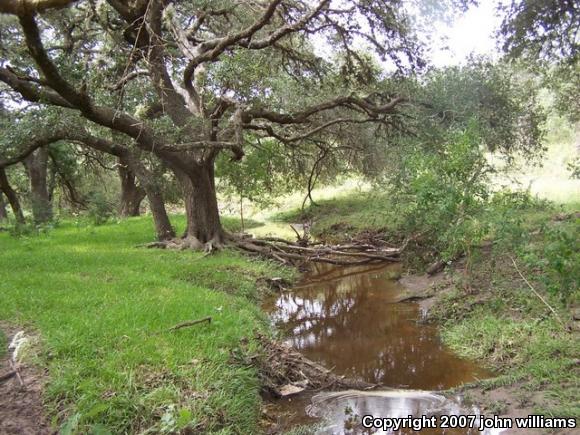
x=350, y=319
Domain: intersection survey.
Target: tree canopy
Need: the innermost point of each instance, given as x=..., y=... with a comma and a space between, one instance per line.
x=270, y=94
x=545, y=36
x=185, y=81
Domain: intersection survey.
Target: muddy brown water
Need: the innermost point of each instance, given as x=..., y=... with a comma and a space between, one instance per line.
x=349, y=319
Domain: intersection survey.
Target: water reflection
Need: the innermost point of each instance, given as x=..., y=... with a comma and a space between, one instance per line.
x=347, y=318
x=342, y=412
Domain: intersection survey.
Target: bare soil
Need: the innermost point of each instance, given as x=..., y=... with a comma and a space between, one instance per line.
x=21, y=408
x=514, y=402
x=422, y=288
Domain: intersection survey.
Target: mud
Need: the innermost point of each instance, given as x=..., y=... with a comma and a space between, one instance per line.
x=21, y=408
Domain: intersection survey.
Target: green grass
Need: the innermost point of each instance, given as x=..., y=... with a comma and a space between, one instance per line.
x=344, y=215
x=506, y=326
x=3, y=344
x=102, y=307
x=534, y=353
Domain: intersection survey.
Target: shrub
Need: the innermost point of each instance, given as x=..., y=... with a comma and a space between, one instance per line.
x=558, y=257
x=440, y=194
x=100, y=210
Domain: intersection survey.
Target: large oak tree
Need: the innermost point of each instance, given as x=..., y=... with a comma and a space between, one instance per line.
x=185, y=81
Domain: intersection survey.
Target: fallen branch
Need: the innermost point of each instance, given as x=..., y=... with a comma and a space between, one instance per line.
x=298, y=236
x=349, y=254
x=190, y=323
x=288, y=252
x=439, y=265
x=537, y=294
x=319, y=256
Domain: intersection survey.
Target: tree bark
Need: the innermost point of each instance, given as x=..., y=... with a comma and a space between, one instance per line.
x=3, y=211
x=201, y=207
x=37, y=167
x=11, y=196
x=163, y=227
x=131, y=194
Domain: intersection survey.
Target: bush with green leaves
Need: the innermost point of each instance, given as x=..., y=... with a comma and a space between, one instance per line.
x=100, y=209
x=549, y=248
x=556, y=256
x=440, y=194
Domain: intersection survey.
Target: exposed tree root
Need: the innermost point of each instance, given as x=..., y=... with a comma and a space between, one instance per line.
x=288, y=252
x=280, y=367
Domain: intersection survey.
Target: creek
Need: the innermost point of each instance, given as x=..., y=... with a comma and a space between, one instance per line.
x=351, y=319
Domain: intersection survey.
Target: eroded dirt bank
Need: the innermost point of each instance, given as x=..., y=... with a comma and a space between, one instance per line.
x=21, y=407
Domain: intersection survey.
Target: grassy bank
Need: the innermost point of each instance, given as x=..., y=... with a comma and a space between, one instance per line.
x=344, y=215
x=490, y=313
x=101, y=308
x=487, y=311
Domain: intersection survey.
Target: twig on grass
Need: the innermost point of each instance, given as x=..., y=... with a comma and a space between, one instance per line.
x=537, y=294
x=190, y=323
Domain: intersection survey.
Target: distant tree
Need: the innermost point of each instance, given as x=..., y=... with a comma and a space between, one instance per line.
x=11, y=196
x=544, y=34
x=496, y=101
x=3, y=210
x=132, y=194
x=43, y=133
x=36, y=164
x=541, y=29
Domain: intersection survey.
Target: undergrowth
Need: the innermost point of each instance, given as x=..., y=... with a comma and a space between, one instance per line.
x=492, y=315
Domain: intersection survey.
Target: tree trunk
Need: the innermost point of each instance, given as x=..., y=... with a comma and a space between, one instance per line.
x=203, y=220
x=131, y=194
x=3, y=211
x=147, y=180
x=11, y=196
x=37, y=166
x=163, y=226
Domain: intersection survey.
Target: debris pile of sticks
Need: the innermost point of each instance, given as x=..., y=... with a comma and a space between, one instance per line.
x=288, y=252
x=284, y=371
